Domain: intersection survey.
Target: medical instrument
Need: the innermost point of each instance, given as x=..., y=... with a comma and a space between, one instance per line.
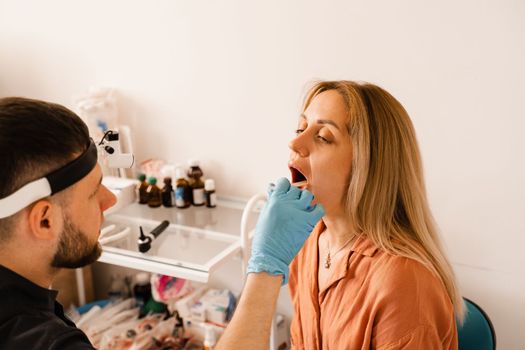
x=300, y=183
x=67, y=175
x=111, y=145
x=145, y=240
x=115, y=236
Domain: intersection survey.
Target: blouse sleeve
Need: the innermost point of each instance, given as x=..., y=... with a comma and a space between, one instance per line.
x=422, y=337
x=413, y=309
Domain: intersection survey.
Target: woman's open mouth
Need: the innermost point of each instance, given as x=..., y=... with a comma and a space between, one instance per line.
x=298, y=178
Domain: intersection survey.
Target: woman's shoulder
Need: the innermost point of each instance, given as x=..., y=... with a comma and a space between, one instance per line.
x=399, y=272
x=404, y=290
x=407, y=281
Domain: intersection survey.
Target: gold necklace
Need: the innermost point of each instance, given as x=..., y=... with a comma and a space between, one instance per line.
x=328, y=260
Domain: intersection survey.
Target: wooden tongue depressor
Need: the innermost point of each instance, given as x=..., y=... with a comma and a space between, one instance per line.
x=271, y=185
x=300, y=183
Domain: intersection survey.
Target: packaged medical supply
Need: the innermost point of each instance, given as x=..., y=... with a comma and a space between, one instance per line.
x=183, y=305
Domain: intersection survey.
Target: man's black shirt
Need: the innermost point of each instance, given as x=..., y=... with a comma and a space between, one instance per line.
x=31, y=318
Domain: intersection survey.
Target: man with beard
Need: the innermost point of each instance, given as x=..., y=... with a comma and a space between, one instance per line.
x=51, y=205
x=51, y=209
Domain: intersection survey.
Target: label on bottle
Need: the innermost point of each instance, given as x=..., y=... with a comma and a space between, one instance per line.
x=179, y=197
x=212, y=200
x=198, y=196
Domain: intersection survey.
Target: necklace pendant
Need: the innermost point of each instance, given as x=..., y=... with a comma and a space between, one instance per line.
x=327, y=262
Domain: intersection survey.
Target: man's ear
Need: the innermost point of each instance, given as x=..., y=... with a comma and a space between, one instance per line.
x=43, y=219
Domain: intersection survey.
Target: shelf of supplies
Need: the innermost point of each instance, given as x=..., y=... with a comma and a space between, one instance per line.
x=197, y=241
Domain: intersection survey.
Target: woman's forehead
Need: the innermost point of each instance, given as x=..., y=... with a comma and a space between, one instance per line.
x=328, y=107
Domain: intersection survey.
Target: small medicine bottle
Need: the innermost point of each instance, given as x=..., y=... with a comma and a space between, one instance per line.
x=209, y=193
x=209, y=338
x=142, y=289
x=182, y=190
x=143, y=189
x=197, y=186
x=154, y=197
x=168, y=196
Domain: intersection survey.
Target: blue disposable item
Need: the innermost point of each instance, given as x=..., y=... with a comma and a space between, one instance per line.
x=284, y=224
x=85, y=308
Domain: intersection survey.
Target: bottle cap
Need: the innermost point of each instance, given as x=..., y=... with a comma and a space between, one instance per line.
x=142, y=278
x=141, y=177
x=179, y=173
x=152, y=180
x=209, y=185
x=167, y=180
x=193, y=162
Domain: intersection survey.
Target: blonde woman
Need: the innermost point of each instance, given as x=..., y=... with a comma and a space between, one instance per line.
x=372, y=273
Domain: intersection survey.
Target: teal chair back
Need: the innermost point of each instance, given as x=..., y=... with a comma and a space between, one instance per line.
x=477, y=332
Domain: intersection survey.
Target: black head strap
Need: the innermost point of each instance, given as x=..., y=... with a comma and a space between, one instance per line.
x=73, y=172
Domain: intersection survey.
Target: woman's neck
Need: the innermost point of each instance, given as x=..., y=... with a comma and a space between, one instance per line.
x=339, y=229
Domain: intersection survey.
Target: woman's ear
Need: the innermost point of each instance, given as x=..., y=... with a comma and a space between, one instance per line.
x=43, y=220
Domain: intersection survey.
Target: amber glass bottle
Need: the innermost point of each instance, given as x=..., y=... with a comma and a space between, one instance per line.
x=168, y=196
x=182, y=190
x=197, y=185
x=143, y=189
x=154, y=196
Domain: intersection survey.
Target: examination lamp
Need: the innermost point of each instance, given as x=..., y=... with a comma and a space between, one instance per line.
x=67, y=175
x=111, y=146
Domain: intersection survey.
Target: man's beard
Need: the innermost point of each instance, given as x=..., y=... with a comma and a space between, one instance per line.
x=74, y=250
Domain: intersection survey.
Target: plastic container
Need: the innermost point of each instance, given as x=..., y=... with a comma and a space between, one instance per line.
x=210, y=338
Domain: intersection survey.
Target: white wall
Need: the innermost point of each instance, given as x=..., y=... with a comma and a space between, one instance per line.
x=223, y=80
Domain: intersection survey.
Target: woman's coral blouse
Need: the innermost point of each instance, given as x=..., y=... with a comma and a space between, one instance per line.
x=373, y=301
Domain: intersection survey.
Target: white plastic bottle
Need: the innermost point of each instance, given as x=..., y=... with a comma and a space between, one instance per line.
x=209, y=338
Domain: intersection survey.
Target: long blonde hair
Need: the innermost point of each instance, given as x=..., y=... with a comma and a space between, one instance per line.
x=386, y=195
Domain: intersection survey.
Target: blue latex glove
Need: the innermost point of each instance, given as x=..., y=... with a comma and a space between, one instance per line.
x=285, y=223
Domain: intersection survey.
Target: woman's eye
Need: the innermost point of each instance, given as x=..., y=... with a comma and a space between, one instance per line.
x=325, y=140
x=298, y=131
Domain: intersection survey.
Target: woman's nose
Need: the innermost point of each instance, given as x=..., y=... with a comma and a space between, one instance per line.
x=299, y=145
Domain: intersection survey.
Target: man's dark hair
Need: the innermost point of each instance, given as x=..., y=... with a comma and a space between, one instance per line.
x=36, y=138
